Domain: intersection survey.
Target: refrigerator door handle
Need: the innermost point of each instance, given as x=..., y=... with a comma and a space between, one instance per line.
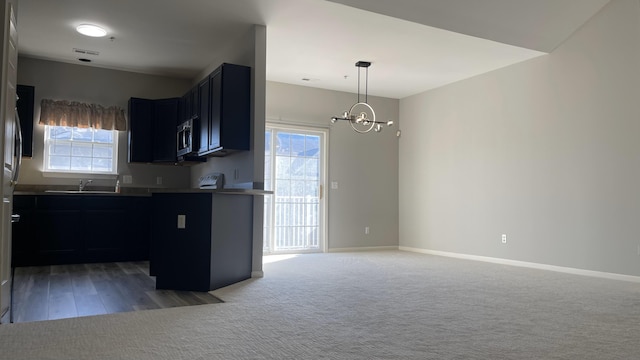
x=18, y=149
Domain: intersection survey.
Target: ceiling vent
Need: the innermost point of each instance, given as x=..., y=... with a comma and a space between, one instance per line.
x=86, y=52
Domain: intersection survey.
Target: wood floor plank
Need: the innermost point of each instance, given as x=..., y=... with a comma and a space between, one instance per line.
x=134, y=293
x=166, y=298
x=89, y=304
x=128, y=267
x=34, y=305
x=189, y=297
x=111, y=297
x=60, y=283
x=82, y=285
x=62, y=305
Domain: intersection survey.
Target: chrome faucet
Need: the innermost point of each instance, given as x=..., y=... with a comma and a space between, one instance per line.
x=83, y=185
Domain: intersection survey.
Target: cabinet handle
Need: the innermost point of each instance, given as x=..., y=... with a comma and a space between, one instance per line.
x=321, y=192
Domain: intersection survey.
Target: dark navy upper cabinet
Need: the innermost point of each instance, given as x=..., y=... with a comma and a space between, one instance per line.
x=152, y=129
x=164, y=129
x=188, y=105
x=140, y=130
x=204, y=101
x=25, y=112
x=229, y=120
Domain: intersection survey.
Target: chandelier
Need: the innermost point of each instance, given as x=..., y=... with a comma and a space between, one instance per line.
x=361, y=115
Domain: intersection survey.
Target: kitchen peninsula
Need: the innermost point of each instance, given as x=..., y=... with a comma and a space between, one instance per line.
x=194, y=239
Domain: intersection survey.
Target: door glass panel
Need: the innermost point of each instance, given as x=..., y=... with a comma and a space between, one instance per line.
x=293, y=163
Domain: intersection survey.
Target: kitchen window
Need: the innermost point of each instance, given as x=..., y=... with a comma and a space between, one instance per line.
x=80, y=137
x=80, y=150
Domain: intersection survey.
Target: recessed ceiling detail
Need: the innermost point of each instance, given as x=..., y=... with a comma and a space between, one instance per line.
x=86, y=52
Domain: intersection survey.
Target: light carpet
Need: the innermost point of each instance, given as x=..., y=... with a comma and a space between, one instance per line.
x=367, y=305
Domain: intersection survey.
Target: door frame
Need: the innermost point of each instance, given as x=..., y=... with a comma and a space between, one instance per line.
x=324, y=199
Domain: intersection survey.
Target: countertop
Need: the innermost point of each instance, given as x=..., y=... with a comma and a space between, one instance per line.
x=127, y=191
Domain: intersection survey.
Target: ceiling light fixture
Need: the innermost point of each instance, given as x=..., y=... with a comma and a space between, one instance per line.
x=361, y=115
x=91, y=30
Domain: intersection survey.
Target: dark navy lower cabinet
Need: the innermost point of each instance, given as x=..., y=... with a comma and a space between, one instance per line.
x=201, y=241
x=74, y=229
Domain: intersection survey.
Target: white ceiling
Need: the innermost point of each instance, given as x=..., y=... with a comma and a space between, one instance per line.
x=418, y=45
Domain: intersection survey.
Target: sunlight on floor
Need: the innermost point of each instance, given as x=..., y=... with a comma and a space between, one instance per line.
x=275, y=258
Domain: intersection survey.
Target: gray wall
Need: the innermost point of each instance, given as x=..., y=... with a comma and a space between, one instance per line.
x=63, y=81
x=250, y=50
x=545, y=151
x=364, y=165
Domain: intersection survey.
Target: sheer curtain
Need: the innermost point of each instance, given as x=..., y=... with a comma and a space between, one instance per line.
x=76, y=114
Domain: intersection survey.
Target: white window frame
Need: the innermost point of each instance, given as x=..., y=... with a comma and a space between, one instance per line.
x=48, y=142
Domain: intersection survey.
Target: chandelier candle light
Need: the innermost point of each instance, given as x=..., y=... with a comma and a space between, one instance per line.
x=361, y=115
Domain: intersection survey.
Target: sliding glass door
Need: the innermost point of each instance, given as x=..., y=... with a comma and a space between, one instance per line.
x=294, y=170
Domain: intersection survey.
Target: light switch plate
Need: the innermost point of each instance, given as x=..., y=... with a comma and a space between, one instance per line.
x=127, y=179
x=182, y=221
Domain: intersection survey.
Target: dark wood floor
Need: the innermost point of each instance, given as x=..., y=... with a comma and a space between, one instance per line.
x=64, y=291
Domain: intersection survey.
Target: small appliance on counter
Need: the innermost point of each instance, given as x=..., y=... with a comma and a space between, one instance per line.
x=213, y=181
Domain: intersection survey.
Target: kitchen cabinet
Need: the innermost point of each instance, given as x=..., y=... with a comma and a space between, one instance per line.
x=67, y=229
x=164, y=130
x=228, y=124
x=203, y=121
x=201, y=241
x=140, y=142
x=189, y=105
x=152, y=129
x=24, y=105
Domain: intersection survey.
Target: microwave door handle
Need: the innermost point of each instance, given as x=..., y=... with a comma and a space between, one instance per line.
x=18, y=149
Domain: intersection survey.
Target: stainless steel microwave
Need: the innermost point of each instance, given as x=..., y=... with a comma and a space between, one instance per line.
x=188, y=137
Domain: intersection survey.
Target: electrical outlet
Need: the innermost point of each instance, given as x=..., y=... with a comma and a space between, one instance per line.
x=182, y=221
x=159, y=180
x=504, y=238
x=127, y=179
x=366, y=230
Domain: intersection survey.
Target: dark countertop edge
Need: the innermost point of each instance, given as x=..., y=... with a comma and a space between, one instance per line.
x=59, y=193
x=230, y=191
x=150, y=192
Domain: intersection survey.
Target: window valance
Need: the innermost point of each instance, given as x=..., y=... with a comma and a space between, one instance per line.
x=76, y=114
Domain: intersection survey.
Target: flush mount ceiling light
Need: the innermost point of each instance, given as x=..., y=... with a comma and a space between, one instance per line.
x=91, y=30
x=361, y=115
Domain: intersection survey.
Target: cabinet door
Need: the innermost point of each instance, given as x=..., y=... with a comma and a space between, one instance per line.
x=204, y=102
x=25, y=111
x=235, y=100
x=60, y=229
x=195, y=102
x=165, y=113
x=24, y=245
x=140, y=130
x=215, y=106
x=182, y=109
x=103, y=220
x=230, y=109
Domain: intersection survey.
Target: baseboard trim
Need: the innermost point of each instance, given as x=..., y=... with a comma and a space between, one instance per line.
x=367, y=248
x=562, y=269
x=257, y=274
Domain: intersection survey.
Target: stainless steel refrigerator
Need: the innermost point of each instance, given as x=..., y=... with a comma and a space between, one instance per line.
x=10, y=146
